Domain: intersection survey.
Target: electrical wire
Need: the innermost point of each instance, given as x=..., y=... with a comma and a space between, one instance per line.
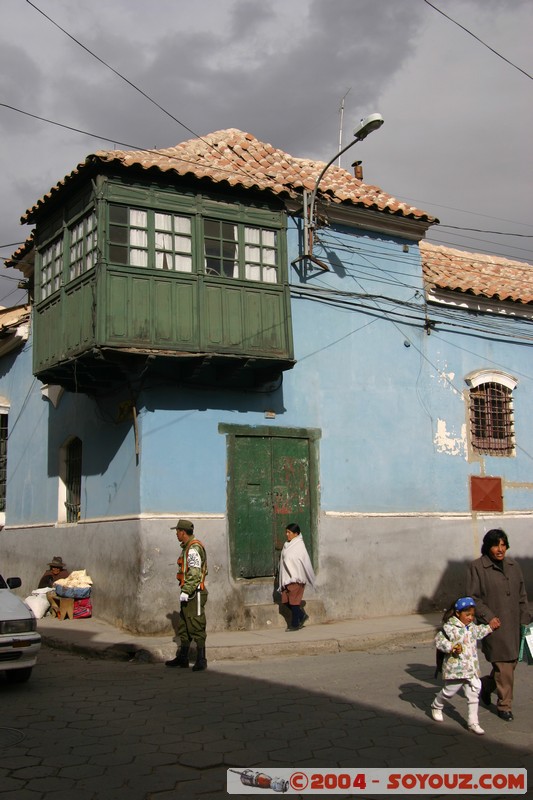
x=173, y=157
x=122, y=77
x=481, y=230
x=466, y=30
x=130, y=83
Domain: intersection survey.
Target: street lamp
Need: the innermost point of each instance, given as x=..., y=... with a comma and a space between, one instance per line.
x=365, y=127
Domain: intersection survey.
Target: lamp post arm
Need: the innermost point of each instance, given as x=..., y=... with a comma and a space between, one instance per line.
x=314, y=192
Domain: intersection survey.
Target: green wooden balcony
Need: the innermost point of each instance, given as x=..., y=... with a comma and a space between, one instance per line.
x=114, y=322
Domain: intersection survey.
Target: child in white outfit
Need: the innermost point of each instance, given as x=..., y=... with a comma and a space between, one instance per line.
x=458, y=639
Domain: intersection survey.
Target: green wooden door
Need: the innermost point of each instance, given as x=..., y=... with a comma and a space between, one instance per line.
x=270, y=487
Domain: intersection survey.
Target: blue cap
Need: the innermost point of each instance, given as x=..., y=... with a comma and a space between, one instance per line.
x=465, y=602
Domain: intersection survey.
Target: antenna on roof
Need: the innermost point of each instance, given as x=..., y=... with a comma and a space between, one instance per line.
x=341, y=113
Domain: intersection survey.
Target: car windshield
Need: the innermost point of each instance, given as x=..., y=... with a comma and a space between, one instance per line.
x=3, y=584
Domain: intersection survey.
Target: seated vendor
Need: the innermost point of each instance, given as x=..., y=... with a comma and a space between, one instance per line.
x=57, y=569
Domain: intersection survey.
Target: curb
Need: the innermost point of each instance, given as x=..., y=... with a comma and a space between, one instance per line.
x=126, y=651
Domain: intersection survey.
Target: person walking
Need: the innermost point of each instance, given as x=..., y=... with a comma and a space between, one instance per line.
x=295, y=571
x=458, y=639
x=192, y=570
x=496, y=583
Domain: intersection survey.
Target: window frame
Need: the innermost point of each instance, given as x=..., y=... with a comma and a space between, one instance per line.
x=70, y=473
x=231, y=251
x=85, y=244
x=491, y=413
x=4, y=436
x=50, y=283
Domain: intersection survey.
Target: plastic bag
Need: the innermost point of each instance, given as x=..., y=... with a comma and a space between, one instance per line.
x=38, y=602
x=526, y=644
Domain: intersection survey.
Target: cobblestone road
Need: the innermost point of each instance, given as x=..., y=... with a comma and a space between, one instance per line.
x=88, y=729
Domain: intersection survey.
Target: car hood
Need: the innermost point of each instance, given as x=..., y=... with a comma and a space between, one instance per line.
x=12, y=607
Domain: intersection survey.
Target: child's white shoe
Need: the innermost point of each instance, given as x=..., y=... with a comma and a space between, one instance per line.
x=436, y=713
x=475, y=727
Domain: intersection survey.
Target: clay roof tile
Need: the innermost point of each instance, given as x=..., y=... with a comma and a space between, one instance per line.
x=476, y=273
x=238, y=158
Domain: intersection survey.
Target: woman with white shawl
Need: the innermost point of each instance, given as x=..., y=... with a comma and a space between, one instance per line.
x=295, y=571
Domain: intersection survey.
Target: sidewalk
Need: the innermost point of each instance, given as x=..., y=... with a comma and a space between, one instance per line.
x=95, y=638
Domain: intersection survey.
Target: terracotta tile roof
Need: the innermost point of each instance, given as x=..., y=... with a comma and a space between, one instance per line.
x=14, y=327
x=23, y=257
x=239, y=159
x=477, y=273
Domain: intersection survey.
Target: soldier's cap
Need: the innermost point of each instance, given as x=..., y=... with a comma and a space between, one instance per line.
x=183, y=525
x=465, y=602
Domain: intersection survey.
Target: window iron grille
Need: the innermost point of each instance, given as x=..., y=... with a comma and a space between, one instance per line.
x=491, y=419
x=73, y=480
x=3, y=460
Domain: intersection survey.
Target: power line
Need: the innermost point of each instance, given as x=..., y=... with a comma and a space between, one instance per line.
x=481, y=230
x=466, y=30
x=122, y=77
x=170, y=157
x=116, y=141
x=130, y=83
x=11, y=244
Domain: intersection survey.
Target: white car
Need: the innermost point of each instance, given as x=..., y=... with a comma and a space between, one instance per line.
x=19, y=640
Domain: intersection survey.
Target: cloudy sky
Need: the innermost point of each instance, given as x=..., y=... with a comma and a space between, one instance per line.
x=458, y=116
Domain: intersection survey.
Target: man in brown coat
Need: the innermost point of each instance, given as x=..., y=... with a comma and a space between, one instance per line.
x=497, y=585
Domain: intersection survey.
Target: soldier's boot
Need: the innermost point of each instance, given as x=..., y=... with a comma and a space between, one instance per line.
x=181, y=659
x=201, y=660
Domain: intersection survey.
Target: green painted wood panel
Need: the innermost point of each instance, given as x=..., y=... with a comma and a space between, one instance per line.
x=47, y=339
x=163, y=313
x=115, y=309
x=77, y=317
x=270, y=487
x=140, y=318
x=254, y=546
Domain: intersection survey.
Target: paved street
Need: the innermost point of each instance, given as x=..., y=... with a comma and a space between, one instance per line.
x=95, y=729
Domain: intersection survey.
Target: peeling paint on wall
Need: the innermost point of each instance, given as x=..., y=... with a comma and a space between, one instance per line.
x=446, y=378
x=447, y=442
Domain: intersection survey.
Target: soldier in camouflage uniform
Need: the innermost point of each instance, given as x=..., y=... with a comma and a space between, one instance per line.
x=192, y=569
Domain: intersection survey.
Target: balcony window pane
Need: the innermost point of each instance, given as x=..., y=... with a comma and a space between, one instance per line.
x=117, y=234
x=163, y=222
x=118, y=214
x=138, y=258
x=118, y=254
x=183, y=263
x=138, y=218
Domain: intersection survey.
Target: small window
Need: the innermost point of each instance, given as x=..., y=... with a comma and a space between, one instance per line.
x=221, y=248
x=260, y=254
x=51, y=268
x=173, y=243
x=255, y=260
x=491, y=419
x=70, y=481
x=3, y=461
x=83, y=241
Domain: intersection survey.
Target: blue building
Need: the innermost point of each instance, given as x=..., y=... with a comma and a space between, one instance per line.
x=201, y=347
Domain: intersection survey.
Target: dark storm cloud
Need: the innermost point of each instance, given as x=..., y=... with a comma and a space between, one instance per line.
x=232, y=78
x=455, y=115
x=20, y=76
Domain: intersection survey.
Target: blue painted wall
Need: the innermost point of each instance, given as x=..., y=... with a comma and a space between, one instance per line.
x=367, y=375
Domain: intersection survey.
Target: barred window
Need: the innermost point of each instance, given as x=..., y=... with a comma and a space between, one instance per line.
x=70, y=471
x=491, y=419
x=73, y=480
x=3, y=460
